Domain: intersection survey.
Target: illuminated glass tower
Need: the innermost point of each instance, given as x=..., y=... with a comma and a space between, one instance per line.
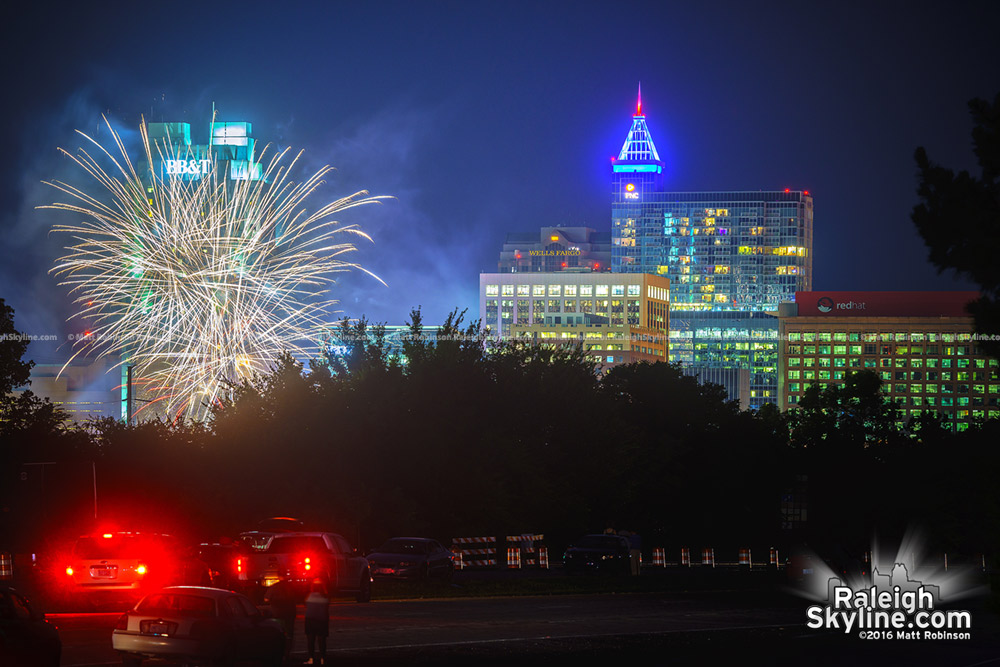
x=231, y=147
x=636, y=213
x=731, y=256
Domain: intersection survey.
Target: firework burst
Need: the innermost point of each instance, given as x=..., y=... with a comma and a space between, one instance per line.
x=200, y=282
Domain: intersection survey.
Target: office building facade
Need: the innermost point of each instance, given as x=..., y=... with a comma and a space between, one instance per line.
x=615, y=318
x=921, y=344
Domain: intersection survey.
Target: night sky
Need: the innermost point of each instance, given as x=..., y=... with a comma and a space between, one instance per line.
x=483, y=118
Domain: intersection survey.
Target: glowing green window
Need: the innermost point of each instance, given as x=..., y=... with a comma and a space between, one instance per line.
x=793, y=375
x=795, y=361
x=795, y=336
x=824, y=349
x=978, y=389
x=840, y=336
x=855, y=349
x=824, y=375
x=885, y=375
x=916, y=388
x=793, y=386
x=824, y=362
x=839, y=362
x=932, y=389
x=808, y=375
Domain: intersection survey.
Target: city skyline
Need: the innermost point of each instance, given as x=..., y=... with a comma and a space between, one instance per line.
x=468, y=165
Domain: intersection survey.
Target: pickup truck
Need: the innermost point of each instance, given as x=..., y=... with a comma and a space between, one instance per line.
x=299, y=558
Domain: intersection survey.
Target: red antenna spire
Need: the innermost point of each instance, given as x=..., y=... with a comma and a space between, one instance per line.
x=638, y=104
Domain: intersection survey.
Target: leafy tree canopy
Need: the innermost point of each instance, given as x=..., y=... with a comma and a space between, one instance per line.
x=959, y=217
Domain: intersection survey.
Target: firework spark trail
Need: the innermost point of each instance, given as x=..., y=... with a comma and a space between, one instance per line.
x=197, y=282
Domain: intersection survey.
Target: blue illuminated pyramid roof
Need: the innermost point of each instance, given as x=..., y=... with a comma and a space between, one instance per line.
x=638, y=145
x=638, y=153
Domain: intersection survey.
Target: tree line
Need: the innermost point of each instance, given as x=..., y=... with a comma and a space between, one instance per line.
x=458, y=436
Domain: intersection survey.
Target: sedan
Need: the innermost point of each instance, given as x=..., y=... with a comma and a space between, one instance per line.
x=26, y=638
x=603, y=553
x=194, y=623
x=411, y=558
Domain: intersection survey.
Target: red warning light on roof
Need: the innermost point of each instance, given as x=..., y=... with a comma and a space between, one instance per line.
x=805, y=192
x=787, y=190
x=630, y=187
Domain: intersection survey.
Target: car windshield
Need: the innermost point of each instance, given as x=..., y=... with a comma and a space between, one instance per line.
x=174, y=604
x=296, y=543
x=116, y=546
x=597, y=542
x=403, y=547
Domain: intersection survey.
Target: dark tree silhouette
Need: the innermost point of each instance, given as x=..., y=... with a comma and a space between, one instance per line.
x=959, y=218
x=13, y=371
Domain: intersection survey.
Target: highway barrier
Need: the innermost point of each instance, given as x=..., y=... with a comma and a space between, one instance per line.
x=475, y=551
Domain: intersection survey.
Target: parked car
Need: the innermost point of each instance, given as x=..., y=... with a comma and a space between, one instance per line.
x=195, y=623
x=26, y=638
x=124, y=565
x=299, y=558
x=413, y=558
x=598, y=553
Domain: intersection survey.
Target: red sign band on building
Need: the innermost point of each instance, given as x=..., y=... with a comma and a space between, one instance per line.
x=884, y=304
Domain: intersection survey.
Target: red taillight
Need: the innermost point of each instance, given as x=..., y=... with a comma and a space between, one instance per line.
x=141, y=569
x=239, y=564
x=69, y=571
x=307, y=562
x=122, y=623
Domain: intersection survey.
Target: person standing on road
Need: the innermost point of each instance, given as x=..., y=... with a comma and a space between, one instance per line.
x=281, y=597
x=635, y=552
x=317, y=620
